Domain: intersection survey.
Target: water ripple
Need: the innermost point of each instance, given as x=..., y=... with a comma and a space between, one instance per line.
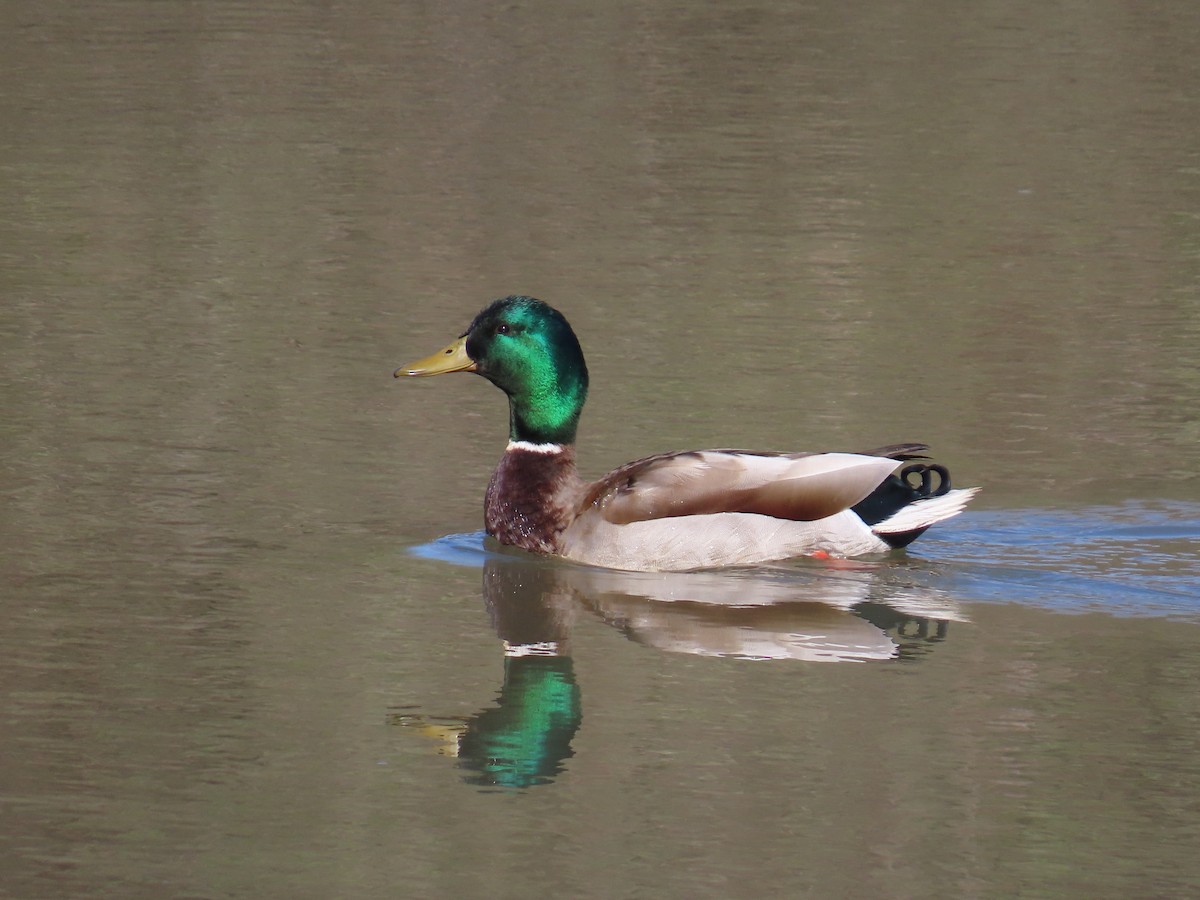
x=1137, y=558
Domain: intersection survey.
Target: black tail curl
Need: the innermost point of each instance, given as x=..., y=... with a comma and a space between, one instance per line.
x=912, y=483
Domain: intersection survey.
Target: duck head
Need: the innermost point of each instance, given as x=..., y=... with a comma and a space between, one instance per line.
x=527, y=349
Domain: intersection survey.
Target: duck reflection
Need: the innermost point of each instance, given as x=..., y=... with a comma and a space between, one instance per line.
x=523, y=739
x=836, y=615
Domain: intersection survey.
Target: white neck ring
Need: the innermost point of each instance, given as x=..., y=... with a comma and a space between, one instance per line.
x=529, y=447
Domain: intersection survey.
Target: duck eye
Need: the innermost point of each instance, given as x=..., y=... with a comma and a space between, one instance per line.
x=502, y=329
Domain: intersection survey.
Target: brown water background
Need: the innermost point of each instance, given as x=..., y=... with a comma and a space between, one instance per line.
x=232, y=636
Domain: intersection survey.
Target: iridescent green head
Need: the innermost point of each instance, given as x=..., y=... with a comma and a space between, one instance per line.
x=526, y=348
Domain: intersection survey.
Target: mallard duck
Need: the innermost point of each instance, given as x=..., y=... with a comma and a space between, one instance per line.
x=693, y=509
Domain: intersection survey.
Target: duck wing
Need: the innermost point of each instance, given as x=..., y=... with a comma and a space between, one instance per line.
x=900, y=451
x=797, y=486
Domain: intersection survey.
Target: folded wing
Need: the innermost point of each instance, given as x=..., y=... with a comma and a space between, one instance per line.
x=800, y=487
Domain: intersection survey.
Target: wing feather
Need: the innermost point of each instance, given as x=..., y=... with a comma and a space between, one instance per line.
x=799, y=487
x=899, y=451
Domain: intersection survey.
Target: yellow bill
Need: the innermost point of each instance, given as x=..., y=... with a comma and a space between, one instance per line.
x=449, y=359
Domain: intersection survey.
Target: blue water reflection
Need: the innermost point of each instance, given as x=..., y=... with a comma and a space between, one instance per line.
x=1139, y=558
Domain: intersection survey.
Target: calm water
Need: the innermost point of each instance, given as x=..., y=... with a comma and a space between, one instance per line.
x=253, y=644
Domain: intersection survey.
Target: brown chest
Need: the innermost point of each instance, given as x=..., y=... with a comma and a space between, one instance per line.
x=531, y=499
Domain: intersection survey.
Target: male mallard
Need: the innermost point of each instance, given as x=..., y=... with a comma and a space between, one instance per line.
x=688, y=510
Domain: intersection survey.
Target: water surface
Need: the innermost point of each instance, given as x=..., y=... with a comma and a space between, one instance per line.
x=253, y=643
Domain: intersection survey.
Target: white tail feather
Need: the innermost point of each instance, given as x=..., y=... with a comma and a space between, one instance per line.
x=924, y=513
